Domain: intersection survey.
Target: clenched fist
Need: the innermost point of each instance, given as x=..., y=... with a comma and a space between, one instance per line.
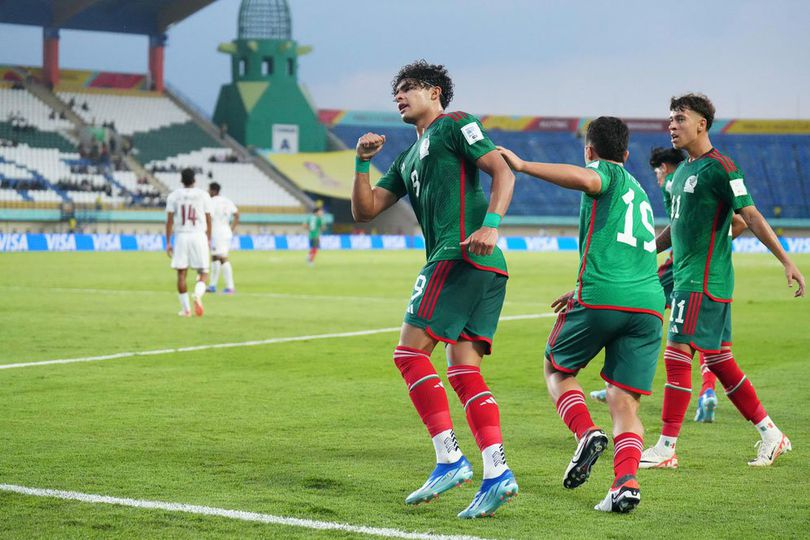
x=369, y=145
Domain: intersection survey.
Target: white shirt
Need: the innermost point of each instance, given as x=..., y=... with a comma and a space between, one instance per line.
x=222, y=211
x=189, y=206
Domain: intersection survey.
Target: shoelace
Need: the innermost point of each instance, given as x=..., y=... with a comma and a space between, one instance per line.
x=762, y=450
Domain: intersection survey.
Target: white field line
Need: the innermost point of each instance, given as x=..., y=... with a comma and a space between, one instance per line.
x=398, y=299
x=239, y=344
x=230, y=514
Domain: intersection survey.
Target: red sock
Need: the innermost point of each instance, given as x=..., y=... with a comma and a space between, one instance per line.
x=627, y=449
x=312, y=253
x=738, y=388
x=425, y=388
x=709, y=378
x=572, y=409
x=677, y=390
x=482, y=411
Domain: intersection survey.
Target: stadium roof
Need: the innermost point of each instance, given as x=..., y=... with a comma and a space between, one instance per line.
x=149, y=17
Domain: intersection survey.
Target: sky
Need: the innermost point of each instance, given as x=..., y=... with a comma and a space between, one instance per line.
x=510, y=57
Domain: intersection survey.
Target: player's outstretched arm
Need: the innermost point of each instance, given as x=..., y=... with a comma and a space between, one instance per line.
x=169, y=227
x=762, y=230
x=368, y=202
x=484, y=240
x=664, y=240
x=561, y=174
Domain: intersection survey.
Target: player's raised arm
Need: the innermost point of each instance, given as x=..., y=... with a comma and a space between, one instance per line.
x=561, y=174
x=762, y=230
x=483, y=241
x=367, y=201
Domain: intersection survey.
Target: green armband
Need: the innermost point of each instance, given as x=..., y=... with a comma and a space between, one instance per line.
x=361, y=166
x=492, y=220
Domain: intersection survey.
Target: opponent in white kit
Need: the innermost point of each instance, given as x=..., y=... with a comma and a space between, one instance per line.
x=224, y=219
x=192, y=234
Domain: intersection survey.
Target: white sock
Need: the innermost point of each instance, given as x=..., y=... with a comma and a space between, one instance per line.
x=227, y=272
x=666, y=445
x=446, y=446
x=184, y=303
x=199, y=289
x=214, y=273
x=494, y=461
x=768, y=430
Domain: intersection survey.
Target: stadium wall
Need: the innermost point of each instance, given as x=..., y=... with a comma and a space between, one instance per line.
x=26, y=242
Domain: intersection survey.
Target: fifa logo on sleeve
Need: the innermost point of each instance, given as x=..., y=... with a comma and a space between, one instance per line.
x=738, y=187
x=691, y=183
x=472, y=133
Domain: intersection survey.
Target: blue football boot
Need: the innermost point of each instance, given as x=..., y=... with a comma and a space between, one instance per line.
x=494, y=492
x=444, y=477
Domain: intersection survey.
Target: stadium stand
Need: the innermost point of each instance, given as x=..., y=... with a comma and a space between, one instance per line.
x=44, y=162
x=774, y=166
x=243, y=183
x=129, y=114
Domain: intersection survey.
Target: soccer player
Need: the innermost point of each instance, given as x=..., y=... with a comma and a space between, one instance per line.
x=224, y=219
x=314, y=225
x=664, y=161
x=706, y=190
x=458, y=295
x=192, y=206
x=618, y=306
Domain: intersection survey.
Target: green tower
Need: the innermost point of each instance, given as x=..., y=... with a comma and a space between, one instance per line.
x=264, y=106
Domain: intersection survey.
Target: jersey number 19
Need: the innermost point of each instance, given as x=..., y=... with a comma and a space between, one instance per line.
x=626, y=236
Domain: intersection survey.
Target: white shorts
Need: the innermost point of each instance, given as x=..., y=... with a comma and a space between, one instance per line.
x=221, y=243
x=190, y=251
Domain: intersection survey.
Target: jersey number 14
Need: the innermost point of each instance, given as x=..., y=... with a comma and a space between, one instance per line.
x=188, y=213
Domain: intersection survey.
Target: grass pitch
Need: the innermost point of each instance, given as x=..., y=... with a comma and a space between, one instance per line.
x=323, y=429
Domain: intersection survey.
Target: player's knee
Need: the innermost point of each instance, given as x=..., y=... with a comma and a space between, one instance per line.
x=622, y=402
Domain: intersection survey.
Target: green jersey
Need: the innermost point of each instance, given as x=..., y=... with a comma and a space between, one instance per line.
x=705, y=194
x=439, y=175
x=666, y=193
x=314, y=224
x=618, y=268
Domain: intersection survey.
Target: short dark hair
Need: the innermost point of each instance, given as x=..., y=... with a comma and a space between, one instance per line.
x=661, y=155
x=694, y=102
x=426, y=75
x=609, y=137
x=187, y=176
x=213, y=186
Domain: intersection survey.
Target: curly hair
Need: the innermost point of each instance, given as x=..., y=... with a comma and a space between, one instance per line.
x=694, y=102
x=661, y=155
x=426, y=75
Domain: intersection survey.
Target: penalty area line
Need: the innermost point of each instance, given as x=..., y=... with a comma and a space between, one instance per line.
x=253, y=343
x=230, y=514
